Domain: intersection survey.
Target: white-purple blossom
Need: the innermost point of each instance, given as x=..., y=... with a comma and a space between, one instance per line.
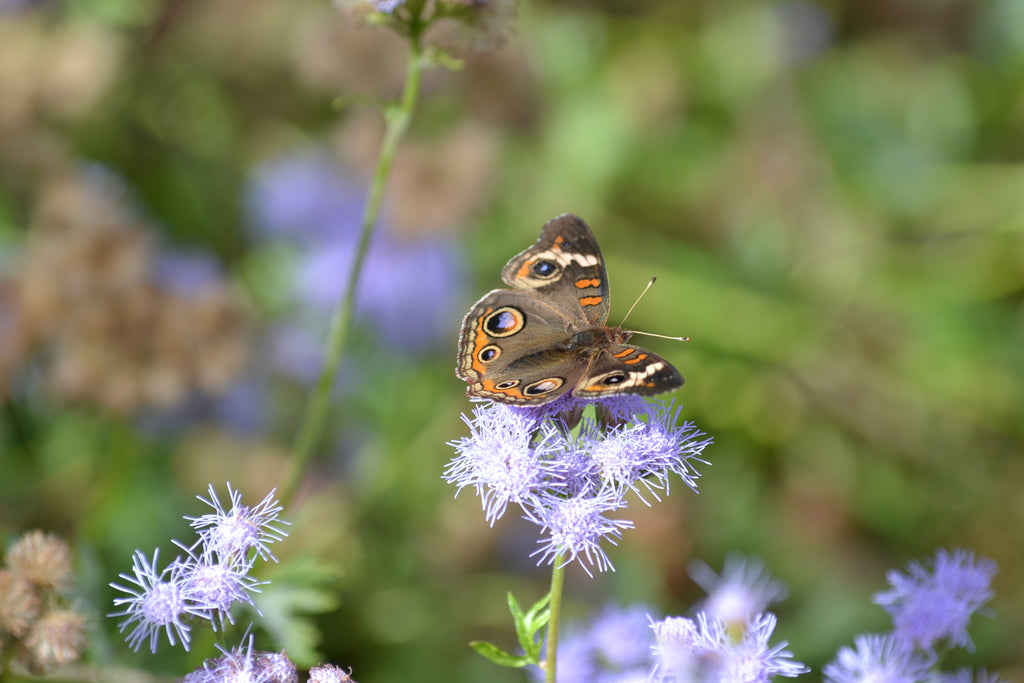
x=158, y=601
x=205, y=584
x=576, y=527
x=569, y=482
x=217, y=583
x=932, y=602
x=879, y=659
x=501, y=460
x=232, y=533
x=743, y=590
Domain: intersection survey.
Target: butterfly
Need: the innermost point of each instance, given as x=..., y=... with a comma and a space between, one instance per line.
x=548, y=336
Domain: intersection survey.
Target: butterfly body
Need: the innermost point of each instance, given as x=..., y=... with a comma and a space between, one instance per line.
x=548, y=334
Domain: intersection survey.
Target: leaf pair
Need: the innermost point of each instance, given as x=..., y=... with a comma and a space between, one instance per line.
x=528, y=625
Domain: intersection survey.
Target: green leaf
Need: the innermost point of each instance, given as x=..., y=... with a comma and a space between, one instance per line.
x=529, y=623
x=499, y=656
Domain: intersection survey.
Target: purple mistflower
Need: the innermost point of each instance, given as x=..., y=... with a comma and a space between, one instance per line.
x=233, y=533
x=701, y=649
x=158, y=600
x=237, y=664
x=566, y=483
x=500, y=459
x=329, y=673
x=217, y=583
x=743, y=590
x=878, y=659
x=576, y=526
x=930, y=603
x=649, y=452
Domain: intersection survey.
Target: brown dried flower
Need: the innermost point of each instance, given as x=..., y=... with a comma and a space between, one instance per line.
x=42, y=559
x=58, y=637
x=118, y=339
x=19, y=605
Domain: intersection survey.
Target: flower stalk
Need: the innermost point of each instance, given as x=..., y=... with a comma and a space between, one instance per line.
x=557, y=583
x=397, y=118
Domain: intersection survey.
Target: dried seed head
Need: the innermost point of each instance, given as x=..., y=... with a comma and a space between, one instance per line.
x=19, y=604
x=57, y=638
x=42, y=559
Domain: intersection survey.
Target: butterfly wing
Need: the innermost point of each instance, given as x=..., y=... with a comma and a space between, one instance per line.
x=565, y=268
x=514, y=349
x=627, y=369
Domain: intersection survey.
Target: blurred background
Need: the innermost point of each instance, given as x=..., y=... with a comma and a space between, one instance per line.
x=830, y=193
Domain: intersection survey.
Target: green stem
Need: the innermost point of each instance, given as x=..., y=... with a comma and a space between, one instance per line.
x=555, y=607
x=397, y=119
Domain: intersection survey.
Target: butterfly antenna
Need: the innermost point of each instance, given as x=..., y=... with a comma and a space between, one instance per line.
x=637, y=300
x=647, y=334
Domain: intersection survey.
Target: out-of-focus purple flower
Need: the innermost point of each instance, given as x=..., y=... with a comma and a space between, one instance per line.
x=744, y=589
x=615, y=647
x=306, y=198
x=187, y=273
x=929, y=603
x=408, y=288
x=568, y=483
x=621, y=637
x=387, y=6
x=701, y=649
x=878, y=659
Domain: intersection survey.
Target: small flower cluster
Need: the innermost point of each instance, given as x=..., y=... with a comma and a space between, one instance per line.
x=463, y=26
x=37, y=628
x=208, y=581
x=567, y=484
x=244, y=665
x=731, y=645
x=931, y=605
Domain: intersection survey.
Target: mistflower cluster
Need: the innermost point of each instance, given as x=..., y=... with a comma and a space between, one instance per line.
x=245, y=665
x=38, y=629
x=207, y=581
x=88, y=297
x=931, y=605
x=702, y=650
x=568, y=484
x=627, y=645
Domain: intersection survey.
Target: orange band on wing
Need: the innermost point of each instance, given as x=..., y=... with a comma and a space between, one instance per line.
x=584, y=283
x=524, y=270
x=479, y=342
x=639, y=358
x=514, y=392
x=591, y=300
x=623, y=354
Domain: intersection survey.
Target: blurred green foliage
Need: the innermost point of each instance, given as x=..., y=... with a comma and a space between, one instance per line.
x=830, y=193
